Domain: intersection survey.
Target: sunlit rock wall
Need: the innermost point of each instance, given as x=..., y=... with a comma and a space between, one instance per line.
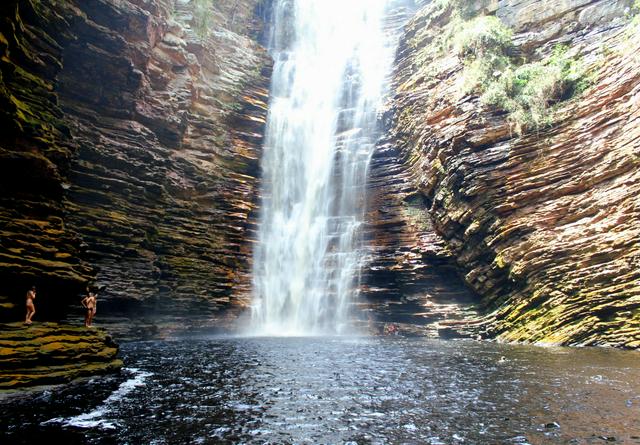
x=544, y=226
x=134, y=146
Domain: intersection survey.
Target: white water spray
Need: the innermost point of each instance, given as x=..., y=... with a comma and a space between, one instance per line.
x=331, y=59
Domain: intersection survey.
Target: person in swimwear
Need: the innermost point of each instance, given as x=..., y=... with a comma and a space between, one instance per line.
x=31, y=308
x=90, y=302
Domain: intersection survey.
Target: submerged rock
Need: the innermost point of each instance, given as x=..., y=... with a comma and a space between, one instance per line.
x=52, y=353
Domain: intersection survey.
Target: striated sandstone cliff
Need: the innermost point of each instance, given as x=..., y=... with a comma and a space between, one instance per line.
x=134, y=145
x=410, y=275
x=36, y=148
x=169, y=124
x=130, y=146
x=49, y=353
x=545, y=225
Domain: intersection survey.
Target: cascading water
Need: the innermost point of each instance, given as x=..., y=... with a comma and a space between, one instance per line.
x=330, y=62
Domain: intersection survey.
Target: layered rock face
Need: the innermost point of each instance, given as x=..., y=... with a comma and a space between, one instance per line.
x=411, y=276
x=150, y=122
x=130, y=146
x=49, y=353
x=36, y=148
x=544, y=224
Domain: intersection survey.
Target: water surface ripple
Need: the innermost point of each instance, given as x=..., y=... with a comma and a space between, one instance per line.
x=343, y=390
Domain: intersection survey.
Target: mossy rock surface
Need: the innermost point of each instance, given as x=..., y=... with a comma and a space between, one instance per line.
x=52, y=353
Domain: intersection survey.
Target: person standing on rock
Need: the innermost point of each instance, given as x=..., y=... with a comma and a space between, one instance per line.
x=31, y=308
x=90, y=302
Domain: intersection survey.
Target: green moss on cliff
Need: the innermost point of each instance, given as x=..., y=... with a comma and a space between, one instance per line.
x=414, y=213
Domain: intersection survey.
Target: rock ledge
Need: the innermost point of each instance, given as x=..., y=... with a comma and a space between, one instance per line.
x=52, y=353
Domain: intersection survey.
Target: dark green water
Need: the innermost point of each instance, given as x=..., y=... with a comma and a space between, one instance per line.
x=376, y=390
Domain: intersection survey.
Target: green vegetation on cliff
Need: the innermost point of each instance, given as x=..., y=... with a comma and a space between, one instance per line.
x=526, y=86
x=484, y=44
x=463, y=9
x=526, y=90
x=635, y=16
x=202, y=17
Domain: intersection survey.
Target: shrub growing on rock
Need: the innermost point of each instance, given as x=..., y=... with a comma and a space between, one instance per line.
x=202, y=17
x=483, y=44
x=481, y=36
x=528, y=91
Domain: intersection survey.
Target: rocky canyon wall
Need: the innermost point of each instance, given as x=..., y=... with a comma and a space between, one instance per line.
x=130, y=152
x=542, y=218
x=410, y=275
x=131, y=155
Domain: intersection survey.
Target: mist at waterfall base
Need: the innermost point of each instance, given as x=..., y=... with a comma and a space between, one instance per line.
x=330, y=62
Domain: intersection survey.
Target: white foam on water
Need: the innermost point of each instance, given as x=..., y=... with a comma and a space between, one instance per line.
x=95, y=418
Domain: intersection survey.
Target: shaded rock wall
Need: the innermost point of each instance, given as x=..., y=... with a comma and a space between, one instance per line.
x=169, y=124
x=160, y=121
x=411, y=275
x=545, y=226
x=36, y=148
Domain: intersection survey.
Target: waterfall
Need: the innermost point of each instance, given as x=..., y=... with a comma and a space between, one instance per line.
x=331, y=58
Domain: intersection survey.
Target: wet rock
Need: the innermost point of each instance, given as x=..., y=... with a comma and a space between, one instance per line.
x=51, y=353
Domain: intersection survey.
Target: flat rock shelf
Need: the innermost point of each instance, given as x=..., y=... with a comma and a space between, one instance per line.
x=52, y=353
